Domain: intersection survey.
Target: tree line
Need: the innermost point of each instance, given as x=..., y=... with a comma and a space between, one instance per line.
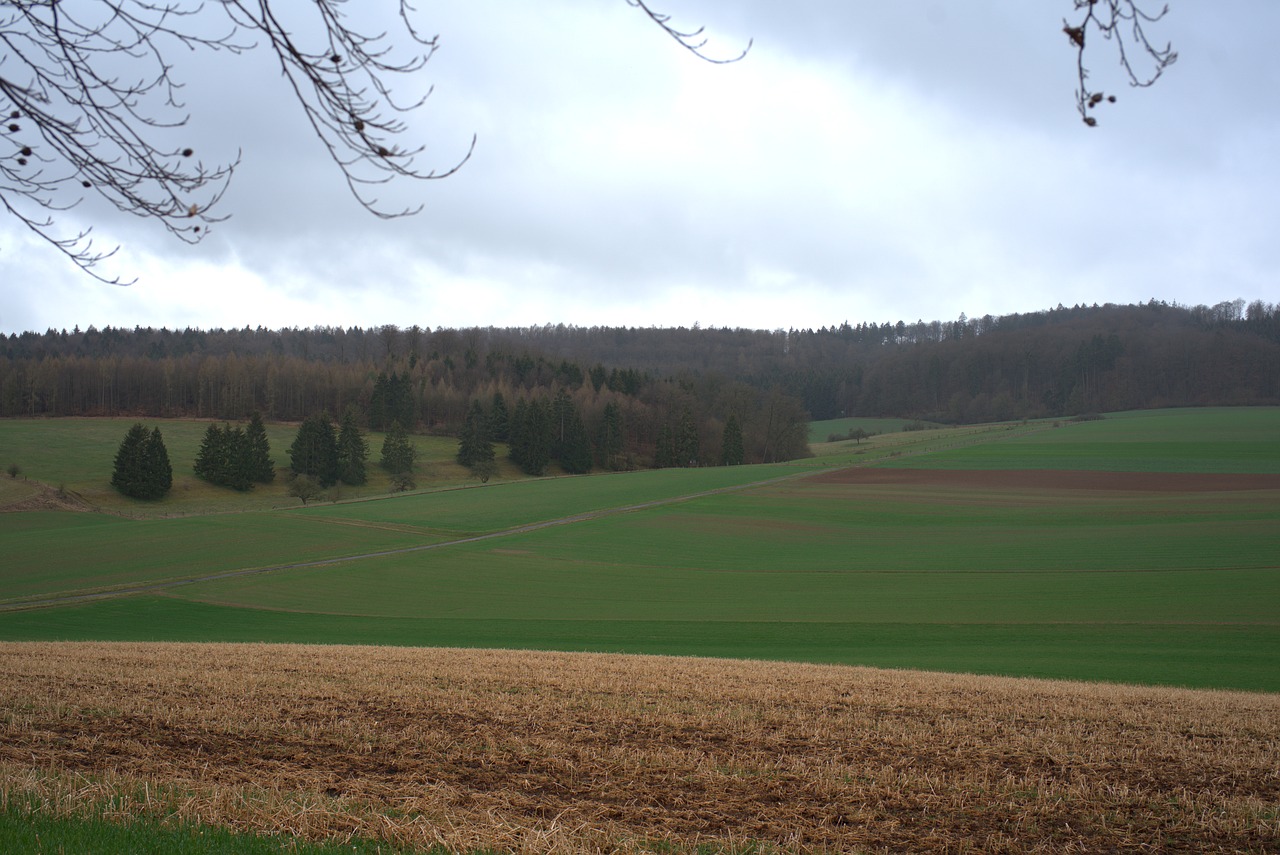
x=638, y=382
x=240, y=458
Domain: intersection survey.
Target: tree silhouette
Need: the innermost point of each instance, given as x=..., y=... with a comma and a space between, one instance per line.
x=89, y=100
x=1123, y=23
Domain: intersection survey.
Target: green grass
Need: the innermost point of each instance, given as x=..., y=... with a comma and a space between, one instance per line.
x=29, y=830
x=1220, y=439
x=78, y=454
x=819, y=431
x=1190, y=655
x=1172, y=588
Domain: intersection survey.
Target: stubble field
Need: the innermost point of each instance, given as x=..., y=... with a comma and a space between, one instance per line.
x=549, y=752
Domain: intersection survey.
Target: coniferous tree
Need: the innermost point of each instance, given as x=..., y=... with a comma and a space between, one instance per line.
x=398, y=453
x=211, y=459
x=575, y=451
x=259, y=466
x=732, y=452
x=142, y=469
x=352, y=451
x=474, y=444
x=315, y=451
x=664, y=454
x=609, y=439
x=536, y=452
x=499, y=419
x=159, y=469
x=517, y=442
x=687, y=451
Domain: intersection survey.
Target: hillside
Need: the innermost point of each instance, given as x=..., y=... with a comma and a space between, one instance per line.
x=589, y=753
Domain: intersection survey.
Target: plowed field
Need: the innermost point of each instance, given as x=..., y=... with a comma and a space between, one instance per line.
x=1056, y=479
x=553, y=752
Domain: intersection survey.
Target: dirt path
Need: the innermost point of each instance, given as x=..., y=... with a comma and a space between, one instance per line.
x=170, y=584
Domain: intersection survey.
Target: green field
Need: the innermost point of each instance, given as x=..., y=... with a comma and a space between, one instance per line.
x=1169, y=587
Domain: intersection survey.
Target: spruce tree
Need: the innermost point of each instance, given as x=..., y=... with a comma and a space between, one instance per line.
x=687, y=451
x=732, y=452
x=499, y=419
x=353, y=451
x=398, y=452
x=518, y=434
x=575, y=453
x=142, y=469
x=315, y=451
x=537, y=439
x=609, y=440
x=474, y=444
x=159, y=469
x=259, y=465
x=211, y=459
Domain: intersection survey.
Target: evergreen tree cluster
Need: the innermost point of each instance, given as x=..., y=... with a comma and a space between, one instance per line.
x=326, y=455
x=142, y=469
x=236, y=457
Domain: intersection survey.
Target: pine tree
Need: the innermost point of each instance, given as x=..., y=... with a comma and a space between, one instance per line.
x=499, y=419
x=315, y=451
x=474, y=444
x=159, y=471
x=211, y=459
x=259, y=465
x=352, y=451
x=609, y=440
x=518, y=442
x=732, y=452
x=142, y=469
x=575, y=454
x=537, y=439
x=687, y=450
x=398, y=452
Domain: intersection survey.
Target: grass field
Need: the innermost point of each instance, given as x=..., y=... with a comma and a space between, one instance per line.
x=1140, y=549
x=1173, y=583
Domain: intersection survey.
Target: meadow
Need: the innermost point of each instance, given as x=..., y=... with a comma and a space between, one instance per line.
x=1175, y=584
x=1138, y=549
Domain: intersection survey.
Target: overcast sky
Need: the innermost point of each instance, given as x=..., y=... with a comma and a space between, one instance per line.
x=867, y=161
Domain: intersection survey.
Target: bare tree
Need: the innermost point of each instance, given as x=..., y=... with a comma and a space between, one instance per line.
x=1124, y=24
x=89, y=102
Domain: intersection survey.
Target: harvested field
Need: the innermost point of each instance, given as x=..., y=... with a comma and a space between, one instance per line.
x=553, y=752
x=1055, y=479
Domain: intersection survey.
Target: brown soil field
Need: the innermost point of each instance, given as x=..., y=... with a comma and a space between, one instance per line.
x=551, y=752
x=1054, y=479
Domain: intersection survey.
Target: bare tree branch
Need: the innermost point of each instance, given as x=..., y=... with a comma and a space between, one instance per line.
x=1123, y=23
x=691, y=40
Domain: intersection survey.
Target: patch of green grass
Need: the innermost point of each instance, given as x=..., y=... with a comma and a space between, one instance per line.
x=820, y=430
x=47, y=553
x=79, y=453
x=1190, y=655
x=28, y=830
x=796, y=569
x=1221, y=439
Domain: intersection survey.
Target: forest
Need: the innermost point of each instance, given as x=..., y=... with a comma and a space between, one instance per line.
x=663, y=396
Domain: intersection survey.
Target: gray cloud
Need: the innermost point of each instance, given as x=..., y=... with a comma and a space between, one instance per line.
x=865, y=162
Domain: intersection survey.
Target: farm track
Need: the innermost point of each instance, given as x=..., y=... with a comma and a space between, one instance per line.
x=568, y=753
x=167, y=585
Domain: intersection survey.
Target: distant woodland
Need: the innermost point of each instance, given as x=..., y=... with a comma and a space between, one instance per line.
x=663, y=395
